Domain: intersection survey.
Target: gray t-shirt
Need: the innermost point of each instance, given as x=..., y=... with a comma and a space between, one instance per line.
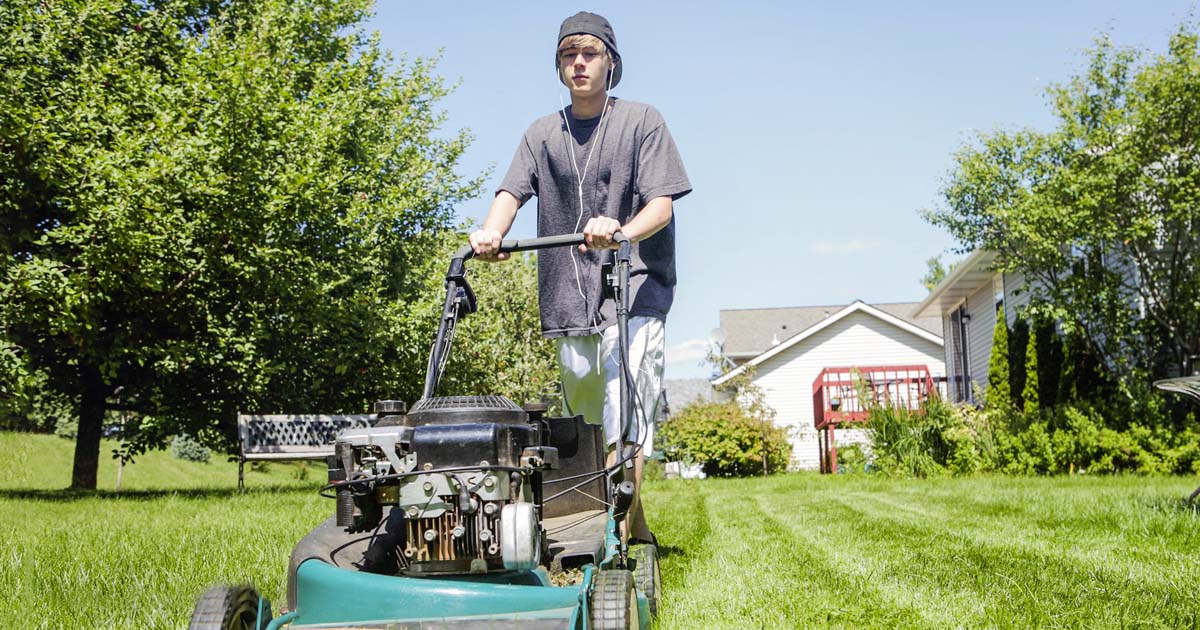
x=633, y=159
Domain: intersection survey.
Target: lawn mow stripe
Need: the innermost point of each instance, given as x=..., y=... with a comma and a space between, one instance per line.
x=1035, y=588
x=759, y=576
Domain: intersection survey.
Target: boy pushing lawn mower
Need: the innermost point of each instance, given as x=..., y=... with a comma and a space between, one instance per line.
x=461, y=511
x=599, y=166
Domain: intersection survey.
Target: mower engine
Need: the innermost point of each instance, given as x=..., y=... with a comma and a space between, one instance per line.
x=462, y=477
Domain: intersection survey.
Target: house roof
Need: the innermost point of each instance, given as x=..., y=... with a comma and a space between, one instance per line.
x=967, y=277
x=682, y=391
x=857, y=307
x=752, y=331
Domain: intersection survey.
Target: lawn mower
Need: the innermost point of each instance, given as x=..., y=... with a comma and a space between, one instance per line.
x=468, y=511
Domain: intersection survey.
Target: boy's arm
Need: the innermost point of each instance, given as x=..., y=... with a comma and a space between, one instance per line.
x=486, y=240
x=653, y=217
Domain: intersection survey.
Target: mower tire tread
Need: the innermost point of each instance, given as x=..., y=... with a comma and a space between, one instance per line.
x=614, y=601
x=646, y=574
x=228, y=608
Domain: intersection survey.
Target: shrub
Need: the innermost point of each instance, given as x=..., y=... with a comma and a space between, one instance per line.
x=851, y=459
x=724, y=439
x=1065, y=439
x=187, y=447
x=902, y=441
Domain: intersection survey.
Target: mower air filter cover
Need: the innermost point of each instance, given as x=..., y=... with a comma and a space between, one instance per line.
x=465, y=410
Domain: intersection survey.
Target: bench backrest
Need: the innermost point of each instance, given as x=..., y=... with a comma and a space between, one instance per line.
x=301, y=435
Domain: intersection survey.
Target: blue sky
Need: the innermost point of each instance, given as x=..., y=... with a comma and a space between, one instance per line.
x=813, y=133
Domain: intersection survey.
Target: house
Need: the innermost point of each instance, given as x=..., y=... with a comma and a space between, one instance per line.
x=965, y=302
x=789, y=347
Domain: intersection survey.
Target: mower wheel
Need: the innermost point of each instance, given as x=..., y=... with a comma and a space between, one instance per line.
x=230, y=608
x=646, y=574
x=614, y=601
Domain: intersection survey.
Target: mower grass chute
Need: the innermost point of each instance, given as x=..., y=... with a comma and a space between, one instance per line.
x=467, y=512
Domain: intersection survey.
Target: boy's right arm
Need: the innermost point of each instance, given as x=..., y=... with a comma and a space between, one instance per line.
x=486, y=240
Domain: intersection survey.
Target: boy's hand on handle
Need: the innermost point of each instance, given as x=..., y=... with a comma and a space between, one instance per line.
x=598, y=233
x=486, y=244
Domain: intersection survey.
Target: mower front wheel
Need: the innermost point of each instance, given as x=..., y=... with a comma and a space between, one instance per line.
x=646, y=574
x=614, y=601
x=230, y=608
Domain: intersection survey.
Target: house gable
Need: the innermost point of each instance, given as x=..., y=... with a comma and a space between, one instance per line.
x=858, y=337
x=832, y=320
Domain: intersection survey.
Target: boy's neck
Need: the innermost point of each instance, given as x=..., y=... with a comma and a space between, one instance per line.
x=585, y=107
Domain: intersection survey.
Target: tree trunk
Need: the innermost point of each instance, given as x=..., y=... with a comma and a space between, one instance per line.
x=91, y=420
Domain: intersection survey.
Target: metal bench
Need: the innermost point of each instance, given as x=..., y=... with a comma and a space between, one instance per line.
x=286, y=437
x=1187, y=386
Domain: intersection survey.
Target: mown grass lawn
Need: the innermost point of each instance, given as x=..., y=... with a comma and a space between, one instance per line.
x=792, y=551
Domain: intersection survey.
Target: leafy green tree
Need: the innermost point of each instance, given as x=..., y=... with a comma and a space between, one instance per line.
x=500, y=349
x=999, y=394
x=1030, y=396
x=1101, y=213
x=935, y=272
x=216, y=206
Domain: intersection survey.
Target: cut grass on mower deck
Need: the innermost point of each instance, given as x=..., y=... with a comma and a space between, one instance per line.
x=792, y=551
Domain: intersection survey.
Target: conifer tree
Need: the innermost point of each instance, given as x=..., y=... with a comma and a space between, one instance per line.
x=1029, y=397
x=999, y=394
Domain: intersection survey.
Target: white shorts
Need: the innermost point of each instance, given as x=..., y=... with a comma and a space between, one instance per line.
x=591, y=383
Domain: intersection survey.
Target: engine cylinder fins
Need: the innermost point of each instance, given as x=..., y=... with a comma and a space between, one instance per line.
x=465, y=409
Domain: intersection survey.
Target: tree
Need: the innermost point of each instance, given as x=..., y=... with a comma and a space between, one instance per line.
x=1030, y=399
x=1018, y=339
x=999, y=393
x=216, y=206
x=1101, y=214
x=934, y=273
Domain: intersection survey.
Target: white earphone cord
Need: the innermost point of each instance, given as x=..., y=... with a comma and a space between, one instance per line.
x=580, y=177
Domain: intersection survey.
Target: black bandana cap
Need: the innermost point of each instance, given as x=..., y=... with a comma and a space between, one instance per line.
x=584, y=23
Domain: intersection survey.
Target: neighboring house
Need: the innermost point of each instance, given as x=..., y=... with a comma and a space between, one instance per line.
x=788, y=348
x=678, y=393
x=965, y=302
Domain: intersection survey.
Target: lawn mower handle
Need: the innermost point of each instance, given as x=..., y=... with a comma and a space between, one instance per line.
x=544, y=242
x=460, y=299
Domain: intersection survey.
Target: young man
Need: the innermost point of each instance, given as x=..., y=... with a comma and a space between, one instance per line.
x=598, y=166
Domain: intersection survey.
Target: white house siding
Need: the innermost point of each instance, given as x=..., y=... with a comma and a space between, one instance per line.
x=858, y=339
x=981, y=306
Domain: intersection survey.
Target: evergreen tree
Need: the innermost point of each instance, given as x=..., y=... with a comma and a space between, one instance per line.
x=1029, y=397
x=999, y=394
x=1018, y=338
x=1050, y=359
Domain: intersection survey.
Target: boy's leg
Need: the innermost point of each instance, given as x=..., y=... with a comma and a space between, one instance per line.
x=646, y=357
x=582, y=380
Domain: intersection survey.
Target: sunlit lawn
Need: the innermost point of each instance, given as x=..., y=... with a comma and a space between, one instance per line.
x=792, y=551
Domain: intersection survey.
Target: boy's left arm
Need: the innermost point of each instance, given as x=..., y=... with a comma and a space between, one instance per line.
x=653, y=217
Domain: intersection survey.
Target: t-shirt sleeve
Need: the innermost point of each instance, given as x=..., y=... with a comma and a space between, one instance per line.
x=521, y=179
x=660, y=167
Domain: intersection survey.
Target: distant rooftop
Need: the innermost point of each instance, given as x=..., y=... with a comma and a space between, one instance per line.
x=752, y=331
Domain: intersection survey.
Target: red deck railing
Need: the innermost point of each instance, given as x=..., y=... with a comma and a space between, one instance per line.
x=836, y=398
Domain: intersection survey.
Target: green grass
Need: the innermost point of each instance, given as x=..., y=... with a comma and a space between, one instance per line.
x=788, y=552
x=803, y=551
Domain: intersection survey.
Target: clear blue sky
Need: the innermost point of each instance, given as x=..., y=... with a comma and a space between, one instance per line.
x=813, y=133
